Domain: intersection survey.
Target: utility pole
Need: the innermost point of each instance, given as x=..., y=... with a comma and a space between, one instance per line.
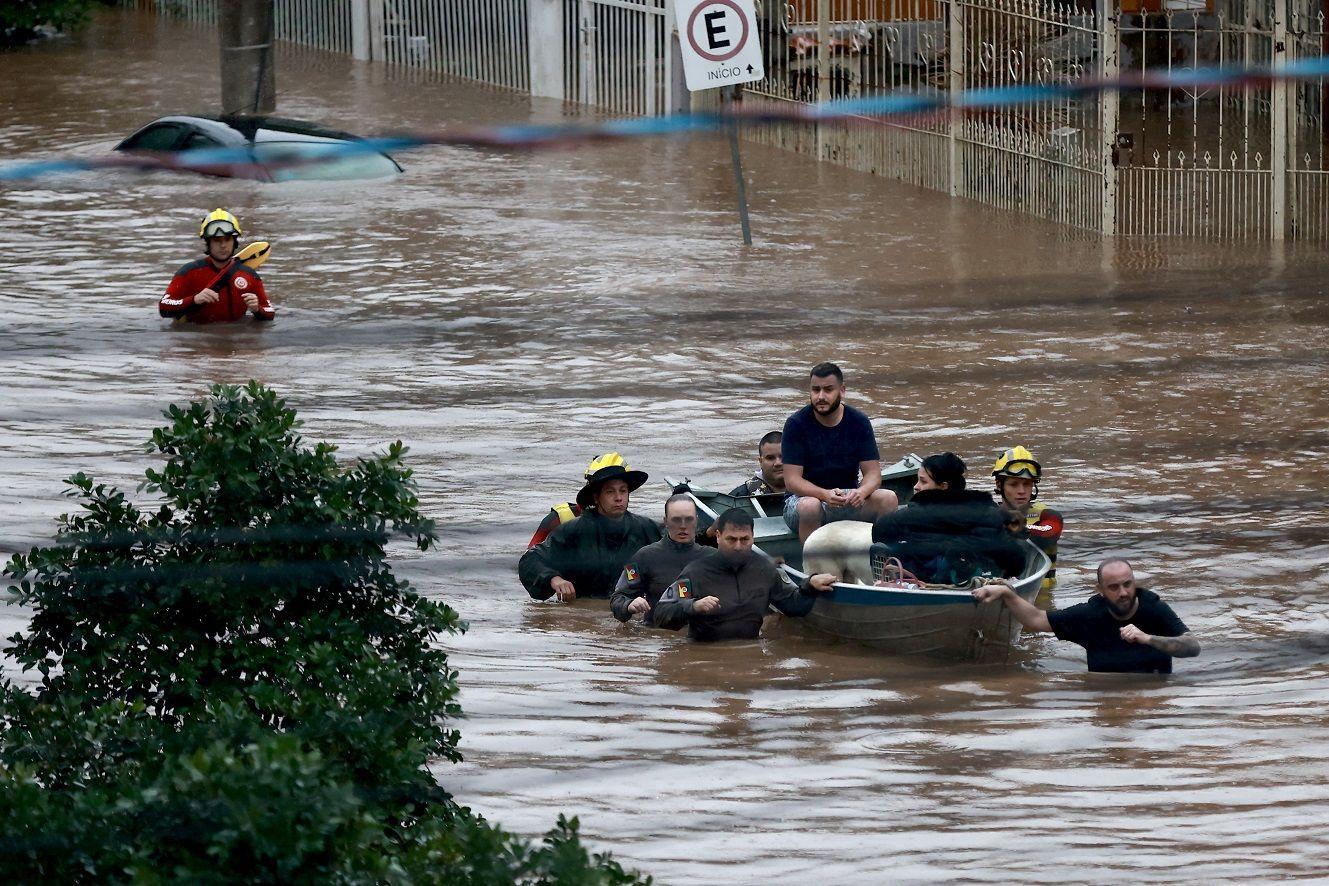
x=249, y=82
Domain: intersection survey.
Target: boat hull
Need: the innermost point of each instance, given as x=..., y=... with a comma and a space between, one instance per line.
x=946, y=624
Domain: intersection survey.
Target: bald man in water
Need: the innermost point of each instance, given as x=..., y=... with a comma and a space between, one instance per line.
x=1123, y=629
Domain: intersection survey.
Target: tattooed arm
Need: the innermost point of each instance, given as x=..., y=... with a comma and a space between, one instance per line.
x=1185, y=646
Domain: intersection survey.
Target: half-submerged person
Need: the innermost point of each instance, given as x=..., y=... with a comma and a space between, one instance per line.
x=217, y=288
x=1016, y=473
x=656, y=566
x=1123, y=628
x=584, y=558
x=567, y=511
x=725, y=594
x=947, y=533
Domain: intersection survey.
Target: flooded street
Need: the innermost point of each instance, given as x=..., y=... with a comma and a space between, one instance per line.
x=509, y=316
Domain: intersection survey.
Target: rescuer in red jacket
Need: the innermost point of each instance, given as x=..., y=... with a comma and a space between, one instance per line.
x=216, y=289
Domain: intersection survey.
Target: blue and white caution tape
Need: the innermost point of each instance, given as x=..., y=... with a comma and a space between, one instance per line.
x=240, y=162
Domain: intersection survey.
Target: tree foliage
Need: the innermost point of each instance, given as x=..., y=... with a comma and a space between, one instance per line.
x=23, y=20
x=234, y=684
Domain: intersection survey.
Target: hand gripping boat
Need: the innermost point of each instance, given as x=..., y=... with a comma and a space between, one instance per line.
x=943, y=622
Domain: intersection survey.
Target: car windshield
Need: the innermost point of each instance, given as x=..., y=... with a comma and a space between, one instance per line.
x=339, y=166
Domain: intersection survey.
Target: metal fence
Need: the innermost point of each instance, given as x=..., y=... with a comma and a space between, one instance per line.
x=325, y=24
x=483, y=40
x=1046, y=160
x=619, y=55
x=1194, y=162
x=1308, y=137
x=612, y=54
x=1236, y=165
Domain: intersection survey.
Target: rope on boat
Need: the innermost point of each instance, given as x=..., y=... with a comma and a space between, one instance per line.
x=240, y=162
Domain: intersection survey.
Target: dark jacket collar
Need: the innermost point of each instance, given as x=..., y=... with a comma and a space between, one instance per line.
x=969, y=497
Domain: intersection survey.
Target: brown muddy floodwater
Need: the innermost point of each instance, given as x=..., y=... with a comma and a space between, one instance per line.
x=510, y=316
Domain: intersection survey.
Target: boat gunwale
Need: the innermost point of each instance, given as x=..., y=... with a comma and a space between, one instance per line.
x=1026, y=585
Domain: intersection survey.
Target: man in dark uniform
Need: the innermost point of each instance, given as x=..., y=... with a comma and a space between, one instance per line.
x=725, y=594
x=769, y=477
x=1124, y=629
x=217, y=288
x=584, y=558
x=656, y=566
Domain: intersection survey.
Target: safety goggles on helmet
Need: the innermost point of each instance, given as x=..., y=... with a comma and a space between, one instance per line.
x=220, y=223
x=1017, y=462
x=219, y=229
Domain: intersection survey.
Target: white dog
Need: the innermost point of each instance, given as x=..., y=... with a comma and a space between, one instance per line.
x=842, y=549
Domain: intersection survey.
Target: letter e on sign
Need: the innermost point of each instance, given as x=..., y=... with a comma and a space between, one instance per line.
x=719, y=42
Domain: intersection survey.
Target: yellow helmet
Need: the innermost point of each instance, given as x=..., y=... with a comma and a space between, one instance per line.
x=600, y=462
x=220, y=223
x=604, y=468
x=1017, y=462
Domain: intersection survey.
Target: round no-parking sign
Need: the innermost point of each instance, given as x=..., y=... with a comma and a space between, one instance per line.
x=719, y=42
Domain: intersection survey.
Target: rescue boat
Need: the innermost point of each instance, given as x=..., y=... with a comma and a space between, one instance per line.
x=941, y=622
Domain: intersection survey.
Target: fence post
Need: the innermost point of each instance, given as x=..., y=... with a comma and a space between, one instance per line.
x=587, y=42
x=248, y=83
x=680, y=100
x=360, y=30
x=544, y=30
x=823, y=68
x=1109, y=67
x=377, y=47
x=1278, y=128
x=955, y=52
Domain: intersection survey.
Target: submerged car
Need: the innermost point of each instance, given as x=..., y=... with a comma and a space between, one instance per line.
x=277, y=149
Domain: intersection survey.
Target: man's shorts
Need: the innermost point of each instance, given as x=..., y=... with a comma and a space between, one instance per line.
x=828, y=513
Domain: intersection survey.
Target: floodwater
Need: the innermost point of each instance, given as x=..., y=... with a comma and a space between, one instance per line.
x=511, y=315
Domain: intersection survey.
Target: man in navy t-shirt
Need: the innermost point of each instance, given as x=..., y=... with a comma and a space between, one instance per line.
x=831, y=462
x=1124, y=629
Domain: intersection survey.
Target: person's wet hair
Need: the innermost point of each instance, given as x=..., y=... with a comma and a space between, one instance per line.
x=735, y=517
x=1108, y=562
x=946, y=467
x=767, y=439
x=825, y=370
x=676, y=498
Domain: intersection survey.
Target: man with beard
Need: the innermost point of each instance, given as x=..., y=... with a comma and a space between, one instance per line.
x=1124, y=629
x=725, y=594
x=769, y=478
x=656, y=566
x=583, y=558
x=831, y=462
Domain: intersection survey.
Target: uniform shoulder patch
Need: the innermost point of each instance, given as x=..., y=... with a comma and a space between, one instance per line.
x=683, y=587
x=630, y=572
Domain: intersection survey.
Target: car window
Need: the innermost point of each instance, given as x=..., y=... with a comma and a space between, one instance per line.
x=161, y=137
x=338, y=167
x=199, y=140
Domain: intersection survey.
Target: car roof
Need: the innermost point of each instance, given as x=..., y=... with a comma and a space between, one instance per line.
x=237, y=129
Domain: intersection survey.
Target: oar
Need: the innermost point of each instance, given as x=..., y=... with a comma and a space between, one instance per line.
x=253, y=255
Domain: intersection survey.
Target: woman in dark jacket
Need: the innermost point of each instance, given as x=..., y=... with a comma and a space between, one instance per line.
x=948, y=534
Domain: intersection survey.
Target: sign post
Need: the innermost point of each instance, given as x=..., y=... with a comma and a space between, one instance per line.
x=739, y=189
x=720, y=48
